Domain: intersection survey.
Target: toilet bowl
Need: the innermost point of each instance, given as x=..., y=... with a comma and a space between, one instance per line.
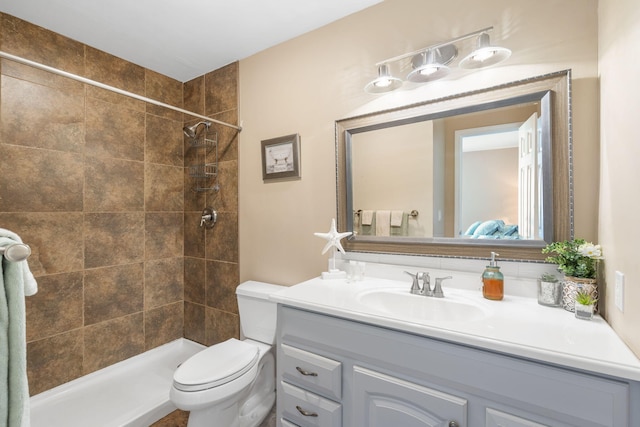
x=232, y=384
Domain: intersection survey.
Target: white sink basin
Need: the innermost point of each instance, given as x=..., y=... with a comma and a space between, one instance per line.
x=418, y=308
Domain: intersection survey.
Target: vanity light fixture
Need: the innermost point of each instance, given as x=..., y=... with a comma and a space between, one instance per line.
x=432, y=62
x=485, y=55
x=385, y=81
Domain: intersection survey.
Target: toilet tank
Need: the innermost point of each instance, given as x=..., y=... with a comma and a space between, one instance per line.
x=257, y=312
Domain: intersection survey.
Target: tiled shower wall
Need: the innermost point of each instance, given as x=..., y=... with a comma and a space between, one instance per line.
x=211, y=255
x=94, y=182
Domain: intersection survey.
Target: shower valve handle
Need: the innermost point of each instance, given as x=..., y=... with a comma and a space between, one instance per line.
x=209, y=217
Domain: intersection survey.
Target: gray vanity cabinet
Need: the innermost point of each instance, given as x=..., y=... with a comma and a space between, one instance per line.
x=337, y=372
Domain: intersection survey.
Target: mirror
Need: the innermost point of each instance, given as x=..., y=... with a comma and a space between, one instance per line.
x=461, y=176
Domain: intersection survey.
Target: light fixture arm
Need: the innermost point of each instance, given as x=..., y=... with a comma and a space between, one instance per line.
x=435, y=46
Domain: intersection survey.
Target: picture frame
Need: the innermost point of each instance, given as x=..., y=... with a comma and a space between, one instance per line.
x=281, y=157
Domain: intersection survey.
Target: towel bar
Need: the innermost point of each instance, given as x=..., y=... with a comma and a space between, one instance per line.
x=413, y=214
x=16, y=252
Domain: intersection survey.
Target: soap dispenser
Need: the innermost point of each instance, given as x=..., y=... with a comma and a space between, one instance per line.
x=493, y=280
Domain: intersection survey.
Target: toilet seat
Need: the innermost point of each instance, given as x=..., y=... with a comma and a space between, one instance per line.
x=216, y=365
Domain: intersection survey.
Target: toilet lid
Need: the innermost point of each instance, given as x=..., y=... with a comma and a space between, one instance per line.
x=216, y=365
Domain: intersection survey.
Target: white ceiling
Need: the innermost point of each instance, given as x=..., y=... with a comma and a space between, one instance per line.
x=182, y=39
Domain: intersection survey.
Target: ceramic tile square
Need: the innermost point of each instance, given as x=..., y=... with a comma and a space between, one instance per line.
x=40, y=116
x=221, y=282
x=166, y=90
x=114, y=131
x=194, y=235
x=163, y=324
x=55, y=239
x=222, y=240
x=114, y=71
x=164, y=141
x=57, y=307
x=194, y=95
x=164, y=235
x=54, y=361
x=227, y=198
x=194, y=279
x=42, y=180
x=112, y=341
x=220, y=326
x=163, y=282
x=113, y=292
x=113, y=239
x=113, y=185
x=221, y=89
x=163, y=188
x=194, y=322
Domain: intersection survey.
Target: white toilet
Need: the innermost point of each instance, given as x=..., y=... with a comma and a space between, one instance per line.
x=232, y=384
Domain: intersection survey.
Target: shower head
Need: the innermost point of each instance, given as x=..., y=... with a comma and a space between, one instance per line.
x=192, y=131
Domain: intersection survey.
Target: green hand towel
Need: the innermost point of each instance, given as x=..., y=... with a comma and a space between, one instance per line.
x=14, y=388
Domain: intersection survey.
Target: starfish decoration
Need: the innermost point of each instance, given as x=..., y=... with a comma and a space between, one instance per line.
x=333, y=238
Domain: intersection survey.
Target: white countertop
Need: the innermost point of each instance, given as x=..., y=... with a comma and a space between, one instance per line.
x=517, y=326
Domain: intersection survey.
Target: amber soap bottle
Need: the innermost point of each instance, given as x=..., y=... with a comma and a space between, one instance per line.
x=493, y=280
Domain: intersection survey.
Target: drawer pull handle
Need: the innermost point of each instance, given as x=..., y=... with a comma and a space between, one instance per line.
x=305, y=372
x=306, y=413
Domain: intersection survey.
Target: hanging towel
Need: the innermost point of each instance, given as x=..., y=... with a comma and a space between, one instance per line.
x=383, y=223
x=403, y=229
x=14, y=388
x=366, y=217
x=396, y=218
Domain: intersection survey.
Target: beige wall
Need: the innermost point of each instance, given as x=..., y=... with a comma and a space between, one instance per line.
x=410, y=187
x=305, y=84
x=619, y=29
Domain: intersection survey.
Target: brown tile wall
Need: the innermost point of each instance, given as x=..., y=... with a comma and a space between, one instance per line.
x=94, y=183
x=211, y=271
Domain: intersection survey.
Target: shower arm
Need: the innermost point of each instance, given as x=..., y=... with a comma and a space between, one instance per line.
x=110, y=88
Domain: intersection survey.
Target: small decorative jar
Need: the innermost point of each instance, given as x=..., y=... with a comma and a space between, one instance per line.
x=583, y=311
x=584, y=305
x=549, y=290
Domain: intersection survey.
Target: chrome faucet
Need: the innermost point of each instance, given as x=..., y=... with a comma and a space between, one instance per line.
x=426, y=290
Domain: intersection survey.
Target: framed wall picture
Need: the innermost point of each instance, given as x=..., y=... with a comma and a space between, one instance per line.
x=281, y=157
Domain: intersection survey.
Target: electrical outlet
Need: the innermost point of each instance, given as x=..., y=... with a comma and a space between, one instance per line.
x=619, y=291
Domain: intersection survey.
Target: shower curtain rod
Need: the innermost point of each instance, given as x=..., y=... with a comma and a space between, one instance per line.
x=110, y=88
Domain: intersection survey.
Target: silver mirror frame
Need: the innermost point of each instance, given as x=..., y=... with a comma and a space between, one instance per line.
x=552, y=90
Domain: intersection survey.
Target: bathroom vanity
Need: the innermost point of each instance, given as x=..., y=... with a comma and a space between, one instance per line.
x=371, y=354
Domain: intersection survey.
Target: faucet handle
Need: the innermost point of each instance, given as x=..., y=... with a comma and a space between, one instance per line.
x=437, y=290
x=426, y=285
x=415, y=286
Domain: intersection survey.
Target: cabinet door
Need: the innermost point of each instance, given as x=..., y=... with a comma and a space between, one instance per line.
x=381, y=400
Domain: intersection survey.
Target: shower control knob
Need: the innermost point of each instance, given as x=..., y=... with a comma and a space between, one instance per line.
x=209, y=217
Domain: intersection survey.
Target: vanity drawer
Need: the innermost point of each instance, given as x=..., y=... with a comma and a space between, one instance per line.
x=498, y=419
x=309, y=370
x=307, y=409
